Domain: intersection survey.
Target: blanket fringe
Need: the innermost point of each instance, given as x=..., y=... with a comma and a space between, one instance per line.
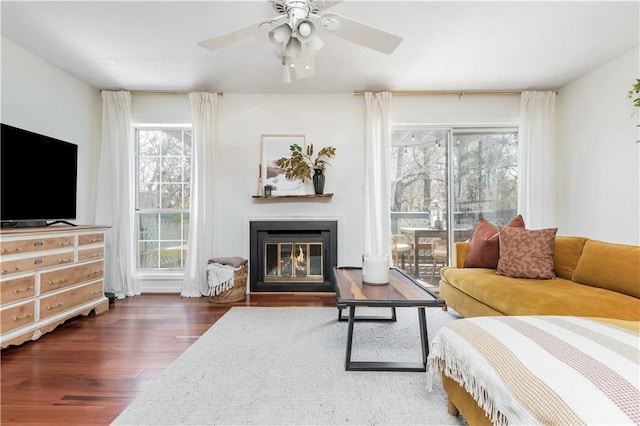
x=220, y=278
x=222, y=287
x=455, y=368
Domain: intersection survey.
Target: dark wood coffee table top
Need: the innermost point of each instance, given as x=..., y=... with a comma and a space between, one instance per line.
x=402, y=290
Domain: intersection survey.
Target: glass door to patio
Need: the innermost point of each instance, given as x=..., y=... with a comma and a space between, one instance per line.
x=442, y=181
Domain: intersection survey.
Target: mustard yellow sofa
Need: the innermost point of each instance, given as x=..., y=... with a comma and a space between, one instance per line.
x=593, y=279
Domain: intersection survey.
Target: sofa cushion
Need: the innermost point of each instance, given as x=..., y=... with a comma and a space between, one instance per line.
x=526, y=253
x=484, y=248
x=612, y=266
x=566, y=253
x=521, y=296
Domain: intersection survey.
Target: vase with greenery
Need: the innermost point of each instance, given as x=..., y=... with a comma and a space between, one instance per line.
x=301, y=164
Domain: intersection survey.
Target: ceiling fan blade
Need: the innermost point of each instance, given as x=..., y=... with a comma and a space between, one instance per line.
x=241, y=33
x=359, y=33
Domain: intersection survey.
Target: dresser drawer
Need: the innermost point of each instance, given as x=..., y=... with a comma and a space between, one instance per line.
x=16, y=316
x=51, y=305
x=90, y=239
x=90, y=254
x=36, y=244
x=64, y=277
x=47, y=276
x=17, y=289
x=35, y=263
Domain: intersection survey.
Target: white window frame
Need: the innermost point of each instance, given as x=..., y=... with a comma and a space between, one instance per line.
x=155, y=273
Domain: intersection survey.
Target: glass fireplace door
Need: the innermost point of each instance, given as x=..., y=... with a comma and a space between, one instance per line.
x=293, y=261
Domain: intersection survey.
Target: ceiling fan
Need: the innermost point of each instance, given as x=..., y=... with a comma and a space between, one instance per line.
x=297, y=28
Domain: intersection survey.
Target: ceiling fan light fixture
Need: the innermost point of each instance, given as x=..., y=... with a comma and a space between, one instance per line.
x=281, y=34
x=293, y=48
x=305, y=30
x=315, y=44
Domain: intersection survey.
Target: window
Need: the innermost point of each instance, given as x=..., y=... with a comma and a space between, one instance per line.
x=485, y=176
x=163, y=170
x=450, y=176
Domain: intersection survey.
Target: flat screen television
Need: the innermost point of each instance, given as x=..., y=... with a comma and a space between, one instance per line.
x=38, y=179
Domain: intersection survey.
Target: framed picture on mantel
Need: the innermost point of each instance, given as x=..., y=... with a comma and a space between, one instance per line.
x=275, y=147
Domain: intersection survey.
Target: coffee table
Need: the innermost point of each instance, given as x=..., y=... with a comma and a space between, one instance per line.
x=402, y=291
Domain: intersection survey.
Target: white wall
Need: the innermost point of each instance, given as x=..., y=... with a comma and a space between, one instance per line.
x=39, y=97
x=336, y=120
x=597, y=156
x=447, y=110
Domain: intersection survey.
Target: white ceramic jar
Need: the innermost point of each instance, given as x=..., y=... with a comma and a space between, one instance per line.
x=375, y=269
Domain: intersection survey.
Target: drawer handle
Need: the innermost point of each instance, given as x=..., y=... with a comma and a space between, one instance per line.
x=6, y=271
x=95, y=271
x=20, y=290
x=37, y=261
x=65, y=260
x=94, y=292
x=65, y=243
x=18, y=318
x=38, y=243
x=15, y=250
x=61, y=280
x=93, y=240
x=57, y=305
x=94, y=255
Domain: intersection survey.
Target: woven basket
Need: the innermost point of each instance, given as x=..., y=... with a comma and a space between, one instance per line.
x=236, y=293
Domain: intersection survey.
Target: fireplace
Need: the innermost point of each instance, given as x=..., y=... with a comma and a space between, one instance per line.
x=292, y=256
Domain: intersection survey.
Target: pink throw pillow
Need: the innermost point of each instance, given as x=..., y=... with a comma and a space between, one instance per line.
x=527, y=253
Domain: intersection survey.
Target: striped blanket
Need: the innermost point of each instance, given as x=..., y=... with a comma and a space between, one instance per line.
x=554, y=370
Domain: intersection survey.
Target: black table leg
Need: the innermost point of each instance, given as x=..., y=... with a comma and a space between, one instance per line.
x=424, y=335
x=352, y=313
x=389, y=365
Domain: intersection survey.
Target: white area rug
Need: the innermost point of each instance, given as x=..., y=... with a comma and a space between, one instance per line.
x=276, y=366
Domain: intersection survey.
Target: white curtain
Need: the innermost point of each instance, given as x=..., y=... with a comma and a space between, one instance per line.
x=114, y=205
x=204, y=193
x=377, y=223
x=536, y=159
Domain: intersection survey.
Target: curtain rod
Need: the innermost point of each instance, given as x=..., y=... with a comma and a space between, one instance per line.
x=168, y=92
x=444, y=92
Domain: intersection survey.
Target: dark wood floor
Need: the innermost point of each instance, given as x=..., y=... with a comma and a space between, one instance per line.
x=90, y=369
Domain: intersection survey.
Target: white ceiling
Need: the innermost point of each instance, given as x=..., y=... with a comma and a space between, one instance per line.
x=447, y=45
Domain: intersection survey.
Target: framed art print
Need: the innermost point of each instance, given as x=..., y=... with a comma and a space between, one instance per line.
x=275, y=147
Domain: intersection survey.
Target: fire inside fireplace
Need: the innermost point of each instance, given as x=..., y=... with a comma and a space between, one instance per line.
x=293, y=261
x=292, y=255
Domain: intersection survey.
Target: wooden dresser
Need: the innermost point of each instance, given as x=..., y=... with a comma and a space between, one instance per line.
x=48, y=275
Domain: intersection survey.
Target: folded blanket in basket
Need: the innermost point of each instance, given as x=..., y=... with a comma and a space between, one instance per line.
x=235, y=261
x=220, y=278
